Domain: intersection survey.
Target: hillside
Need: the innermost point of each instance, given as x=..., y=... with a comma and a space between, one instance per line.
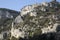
x=39, y=21
x=6, y=18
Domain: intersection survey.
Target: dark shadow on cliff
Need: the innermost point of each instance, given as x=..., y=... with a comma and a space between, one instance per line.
x=48, y=36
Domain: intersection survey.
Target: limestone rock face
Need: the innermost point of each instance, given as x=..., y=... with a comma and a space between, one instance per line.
x=18, y=19
x=33, y=20
x=38, y=19
x=6, y=18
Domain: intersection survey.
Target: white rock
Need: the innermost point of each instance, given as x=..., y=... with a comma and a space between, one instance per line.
x=49, y=29
x=18, y=19
x=1, y=36
x=17, y=33
x=43, y=9
x=25, y=10
x=45, y=4
x=33, y=14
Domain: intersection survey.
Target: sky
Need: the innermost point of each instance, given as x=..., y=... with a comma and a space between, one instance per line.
x=19, y=4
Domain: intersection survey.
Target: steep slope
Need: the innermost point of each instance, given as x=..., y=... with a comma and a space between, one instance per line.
x=6, y=18
x=39, y=19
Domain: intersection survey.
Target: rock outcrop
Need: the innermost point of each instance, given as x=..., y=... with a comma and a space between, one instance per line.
x=38, y=19
x=36, y=22
x=7, y=16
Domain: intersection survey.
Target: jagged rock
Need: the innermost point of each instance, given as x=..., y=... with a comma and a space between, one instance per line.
x=18, y=19
x=6, y=18
x=38, y=19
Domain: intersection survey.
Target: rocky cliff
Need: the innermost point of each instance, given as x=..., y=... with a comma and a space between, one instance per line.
x=38, y=19
x=6, y=17
x=35, y=22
